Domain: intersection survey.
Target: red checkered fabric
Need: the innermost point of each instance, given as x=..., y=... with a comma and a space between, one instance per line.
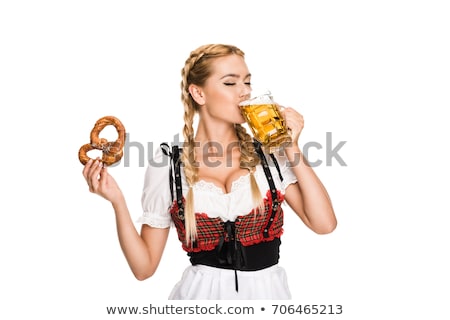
x=249, y=228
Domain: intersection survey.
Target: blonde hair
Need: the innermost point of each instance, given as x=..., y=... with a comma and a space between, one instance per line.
x=197, y=70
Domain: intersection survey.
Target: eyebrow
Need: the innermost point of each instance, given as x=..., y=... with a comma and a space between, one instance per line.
x=235, y=75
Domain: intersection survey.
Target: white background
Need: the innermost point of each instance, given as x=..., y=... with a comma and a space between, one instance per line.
x=373, y=73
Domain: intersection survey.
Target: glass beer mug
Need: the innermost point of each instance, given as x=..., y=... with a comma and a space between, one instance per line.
x=265, y=121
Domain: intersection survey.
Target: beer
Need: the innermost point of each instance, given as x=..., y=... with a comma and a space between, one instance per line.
x=265, y=121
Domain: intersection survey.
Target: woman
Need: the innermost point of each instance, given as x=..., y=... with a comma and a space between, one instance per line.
x=225, y=199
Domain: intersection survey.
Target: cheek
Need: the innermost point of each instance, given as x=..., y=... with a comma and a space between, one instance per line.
x=218, y=101
x=213, y=98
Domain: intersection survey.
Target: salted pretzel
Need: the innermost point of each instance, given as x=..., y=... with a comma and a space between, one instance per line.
x=112, y=152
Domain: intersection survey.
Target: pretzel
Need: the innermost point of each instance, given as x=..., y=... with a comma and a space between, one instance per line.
x=112, y=152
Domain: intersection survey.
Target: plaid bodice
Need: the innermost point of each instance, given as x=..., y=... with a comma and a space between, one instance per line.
x=248, y=229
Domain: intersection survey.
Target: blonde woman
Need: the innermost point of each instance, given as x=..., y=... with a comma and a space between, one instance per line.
x=224, y=196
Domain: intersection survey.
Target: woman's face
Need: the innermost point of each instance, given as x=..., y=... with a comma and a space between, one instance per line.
x=228, y=85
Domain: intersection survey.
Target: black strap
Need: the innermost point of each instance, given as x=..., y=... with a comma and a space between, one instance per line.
x=276, y=165
x=178, y=185
x=175, y=174
x=166, y=150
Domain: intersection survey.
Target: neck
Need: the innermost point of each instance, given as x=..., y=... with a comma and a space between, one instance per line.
x=216, y=140
x=216, y=134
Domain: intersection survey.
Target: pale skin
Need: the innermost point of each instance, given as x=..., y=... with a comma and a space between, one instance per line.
x=219, y=99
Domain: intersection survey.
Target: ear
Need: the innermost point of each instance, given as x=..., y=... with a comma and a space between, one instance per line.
x=197, y=94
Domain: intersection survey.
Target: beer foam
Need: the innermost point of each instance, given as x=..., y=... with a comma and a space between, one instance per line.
x=263, y=99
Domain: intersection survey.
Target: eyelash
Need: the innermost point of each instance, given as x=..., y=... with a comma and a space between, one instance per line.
x=232, y=84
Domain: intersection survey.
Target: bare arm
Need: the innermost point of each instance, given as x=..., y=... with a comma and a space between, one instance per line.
x=308, y=197
x=143, y=251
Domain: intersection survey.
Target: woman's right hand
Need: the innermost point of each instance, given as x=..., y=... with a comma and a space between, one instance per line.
x=100, y=181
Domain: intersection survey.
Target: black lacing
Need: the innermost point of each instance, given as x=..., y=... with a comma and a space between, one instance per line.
x=231, y=252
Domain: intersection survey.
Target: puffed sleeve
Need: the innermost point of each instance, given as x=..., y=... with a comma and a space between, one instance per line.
x=156, y=198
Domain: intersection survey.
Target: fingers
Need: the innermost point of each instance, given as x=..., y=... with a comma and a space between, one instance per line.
x=91, y=173
x=294, y=122
x=102, y=180
x=86, y=168
x=293, y=117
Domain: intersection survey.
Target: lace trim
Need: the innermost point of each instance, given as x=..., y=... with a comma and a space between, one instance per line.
x=203, y=185
x=237, y=184
x=155, y=221
x=240, y=182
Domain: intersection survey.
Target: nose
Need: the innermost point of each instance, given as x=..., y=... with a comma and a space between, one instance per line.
x=245, y=92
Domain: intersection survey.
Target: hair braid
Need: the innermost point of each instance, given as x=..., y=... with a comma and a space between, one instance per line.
x=249, y=160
